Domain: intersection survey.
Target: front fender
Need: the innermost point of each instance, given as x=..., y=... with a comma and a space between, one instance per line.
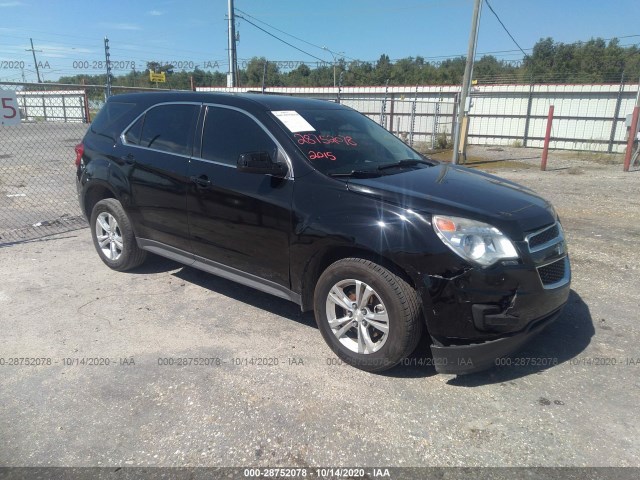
x=325, y=231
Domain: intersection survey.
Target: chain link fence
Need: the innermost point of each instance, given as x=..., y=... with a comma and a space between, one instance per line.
x=37, y=157
x=37, y=171
x=37, y=189
x=588, y=117
x=425, y=125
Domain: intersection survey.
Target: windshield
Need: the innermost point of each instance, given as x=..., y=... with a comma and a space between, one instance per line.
x=343, y=141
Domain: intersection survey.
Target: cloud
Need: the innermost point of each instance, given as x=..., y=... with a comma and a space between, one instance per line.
x=155, y=13
x=128, y=46
x=10, y=4
x=59, y=51
x=121, y=26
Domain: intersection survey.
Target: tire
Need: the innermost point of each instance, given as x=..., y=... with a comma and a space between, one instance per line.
x=357, y=335
x=113, y=236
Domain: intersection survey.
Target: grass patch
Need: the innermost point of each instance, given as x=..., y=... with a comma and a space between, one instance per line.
x=602, y=158
x=482, y=163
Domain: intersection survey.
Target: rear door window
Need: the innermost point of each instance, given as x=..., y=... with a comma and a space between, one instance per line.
x=169, y=128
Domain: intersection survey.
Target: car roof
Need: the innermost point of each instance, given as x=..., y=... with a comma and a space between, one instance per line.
x=248, y=101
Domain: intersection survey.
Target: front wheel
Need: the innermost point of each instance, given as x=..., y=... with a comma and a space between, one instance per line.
x=368, y=316
x=113, y=236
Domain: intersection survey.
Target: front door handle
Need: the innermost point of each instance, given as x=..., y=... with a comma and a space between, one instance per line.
x=202, y=181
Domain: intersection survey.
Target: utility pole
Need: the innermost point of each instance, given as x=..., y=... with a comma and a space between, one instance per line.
x=35, y=61
x=264, y=75
x=340, y=85
x=107, y=87
x=233, y=59
x=466, y=81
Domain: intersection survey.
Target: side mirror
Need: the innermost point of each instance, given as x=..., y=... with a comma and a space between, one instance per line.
x=261, y=162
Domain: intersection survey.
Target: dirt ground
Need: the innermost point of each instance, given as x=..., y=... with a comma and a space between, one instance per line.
x=300, y=407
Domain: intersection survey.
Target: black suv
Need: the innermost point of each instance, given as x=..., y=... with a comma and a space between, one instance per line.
x=313, y=202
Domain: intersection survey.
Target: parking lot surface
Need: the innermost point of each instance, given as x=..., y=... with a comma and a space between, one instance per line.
x=169, y=366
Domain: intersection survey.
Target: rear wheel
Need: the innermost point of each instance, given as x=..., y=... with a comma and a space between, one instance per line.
x=113, y=236
x=369, y=316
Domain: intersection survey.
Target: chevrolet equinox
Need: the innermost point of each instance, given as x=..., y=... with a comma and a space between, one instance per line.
x=314, y=202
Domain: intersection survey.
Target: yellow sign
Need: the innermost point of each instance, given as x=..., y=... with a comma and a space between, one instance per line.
x=157, y=77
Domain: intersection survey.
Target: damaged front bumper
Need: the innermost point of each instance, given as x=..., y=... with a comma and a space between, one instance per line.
x=476, y=317
x=464, y=359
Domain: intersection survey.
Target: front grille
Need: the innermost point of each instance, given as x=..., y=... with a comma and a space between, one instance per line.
x=544, y=237
x=553, y=273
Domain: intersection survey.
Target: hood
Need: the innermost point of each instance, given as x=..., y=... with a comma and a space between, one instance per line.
x=454, y=190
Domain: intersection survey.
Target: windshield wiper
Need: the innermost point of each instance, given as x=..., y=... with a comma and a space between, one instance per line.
x=356, y=174
x=405, y=163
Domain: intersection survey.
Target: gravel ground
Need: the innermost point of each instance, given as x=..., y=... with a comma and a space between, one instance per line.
x=59, y=302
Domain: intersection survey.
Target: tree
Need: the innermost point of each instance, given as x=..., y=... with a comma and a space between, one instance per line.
x=593, y=61
x=255, y=71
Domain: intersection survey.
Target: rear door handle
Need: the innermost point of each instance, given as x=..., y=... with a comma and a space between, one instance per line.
x=202, y=181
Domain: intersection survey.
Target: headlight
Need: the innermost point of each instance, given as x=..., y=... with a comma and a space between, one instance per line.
x=477, y=242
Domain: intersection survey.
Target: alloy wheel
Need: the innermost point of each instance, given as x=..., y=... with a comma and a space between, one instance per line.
x=357, y=316
x=109, y=236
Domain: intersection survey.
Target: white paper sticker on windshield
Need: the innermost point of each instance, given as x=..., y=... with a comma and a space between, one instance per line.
x=293, y=121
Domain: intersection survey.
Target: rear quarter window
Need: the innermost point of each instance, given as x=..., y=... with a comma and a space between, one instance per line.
x=110, y=119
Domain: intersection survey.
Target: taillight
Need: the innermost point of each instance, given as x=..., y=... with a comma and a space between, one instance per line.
x=79, y=152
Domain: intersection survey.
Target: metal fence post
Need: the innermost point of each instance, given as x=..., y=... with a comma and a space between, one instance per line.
x=44, y=108
x=632, y=138
x=547, y=137
x=87, y=116
x=26, y=111
x=616, y=112
x=383, y=108
x=412, y=125
x=454, y=116
x=528, y=120
x=391, y=109
x=436, y=126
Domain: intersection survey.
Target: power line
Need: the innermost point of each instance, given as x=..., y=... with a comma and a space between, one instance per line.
x=505, y=28
x=277, y=29
x=280, y=39
x=293, y=36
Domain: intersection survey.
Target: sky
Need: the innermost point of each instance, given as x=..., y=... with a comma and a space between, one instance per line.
x=69, y=35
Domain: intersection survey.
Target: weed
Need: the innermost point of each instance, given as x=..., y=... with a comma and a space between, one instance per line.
x=443, y=142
